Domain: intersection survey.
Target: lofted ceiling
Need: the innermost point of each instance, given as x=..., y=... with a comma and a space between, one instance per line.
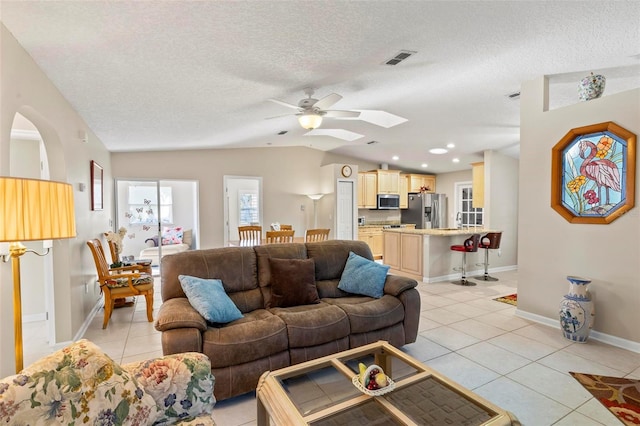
x=158, y=75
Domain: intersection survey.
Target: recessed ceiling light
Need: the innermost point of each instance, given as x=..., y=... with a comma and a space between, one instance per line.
x=450, y=145
x=456, y=160
x=424, y=165
x=438, y=151
x=395, y=157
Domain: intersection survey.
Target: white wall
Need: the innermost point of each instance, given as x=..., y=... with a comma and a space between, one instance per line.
x=24, y=88
x=549, y=247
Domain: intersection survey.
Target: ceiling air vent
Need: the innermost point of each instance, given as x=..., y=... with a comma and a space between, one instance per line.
x=401, y=56
x=514, y=95
x=371, y=142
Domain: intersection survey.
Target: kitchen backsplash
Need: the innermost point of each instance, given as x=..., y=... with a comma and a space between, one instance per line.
x=380, y=216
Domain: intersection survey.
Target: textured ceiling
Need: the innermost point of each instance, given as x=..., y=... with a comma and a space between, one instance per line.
x=155, y=75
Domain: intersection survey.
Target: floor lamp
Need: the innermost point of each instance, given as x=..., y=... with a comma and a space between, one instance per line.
x=32, y=210
x=315, y=198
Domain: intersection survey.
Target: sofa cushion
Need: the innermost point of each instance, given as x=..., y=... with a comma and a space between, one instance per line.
x=313, y=325
x=292, y=283
x=331, y=256
x=367, y=314
x=181, y=385
x=172, y=235
x=209, y=299
x=76, y=384
x=280, y=251
x=363, y=276
x=259, y=334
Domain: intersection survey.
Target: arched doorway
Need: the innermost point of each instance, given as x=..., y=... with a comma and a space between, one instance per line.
x=28, y=159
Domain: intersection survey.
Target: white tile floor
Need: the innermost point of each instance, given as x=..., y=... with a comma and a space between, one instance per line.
x=519, y=365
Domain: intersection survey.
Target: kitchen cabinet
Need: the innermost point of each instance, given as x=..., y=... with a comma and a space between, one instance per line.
x=477, y=174
x=404, y=191
x=388, y=181
x=417, y=181
x=367, y=190
x=373, y=236
x=403, y=253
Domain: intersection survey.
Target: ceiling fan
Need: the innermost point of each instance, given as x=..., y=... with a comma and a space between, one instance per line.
x=311, y=111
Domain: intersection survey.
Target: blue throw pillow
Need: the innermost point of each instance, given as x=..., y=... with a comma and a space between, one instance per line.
x=209, y=299
x=363, y=276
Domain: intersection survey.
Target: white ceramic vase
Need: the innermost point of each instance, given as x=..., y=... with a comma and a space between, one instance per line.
x=577, y=310
x=591, y=87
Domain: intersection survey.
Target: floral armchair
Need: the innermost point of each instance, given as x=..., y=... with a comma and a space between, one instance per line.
x=81, y=385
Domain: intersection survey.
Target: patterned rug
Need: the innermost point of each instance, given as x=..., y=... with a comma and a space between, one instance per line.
x=511, y=299
x=620, y=396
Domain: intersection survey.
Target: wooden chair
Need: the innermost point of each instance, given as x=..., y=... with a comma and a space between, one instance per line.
x=282, y=228
x=277, y=237
x=250, y=232
x=316, y=235
x=118, y=283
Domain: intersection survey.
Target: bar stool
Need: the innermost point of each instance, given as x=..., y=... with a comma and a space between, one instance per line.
x=470, y=245
x=490, y=241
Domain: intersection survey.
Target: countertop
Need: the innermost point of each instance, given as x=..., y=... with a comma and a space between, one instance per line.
x=445, y=232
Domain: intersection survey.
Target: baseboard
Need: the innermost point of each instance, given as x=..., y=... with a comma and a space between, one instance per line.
x=629, y=345
x=87, y=321
x=470, y=274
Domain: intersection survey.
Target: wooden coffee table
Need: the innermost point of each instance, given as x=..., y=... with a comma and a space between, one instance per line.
x=320, y=392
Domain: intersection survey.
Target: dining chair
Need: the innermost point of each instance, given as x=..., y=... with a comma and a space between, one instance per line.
x=250, y=232
x=276, y=237
x=316, y=235
x=121, y=282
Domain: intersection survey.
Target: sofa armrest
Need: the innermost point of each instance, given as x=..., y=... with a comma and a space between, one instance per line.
x=181, y=385
x=178, y=313
x=396, y=284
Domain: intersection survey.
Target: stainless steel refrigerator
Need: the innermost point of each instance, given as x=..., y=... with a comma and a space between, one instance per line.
x=426, y=211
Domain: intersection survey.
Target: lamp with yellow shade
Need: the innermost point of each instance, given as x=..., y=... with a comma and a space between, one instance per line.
x=32, y=210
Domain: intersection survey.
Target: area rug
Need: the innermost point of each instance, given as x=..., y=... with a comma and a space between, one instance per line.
x=621, y=396
x=511, y=299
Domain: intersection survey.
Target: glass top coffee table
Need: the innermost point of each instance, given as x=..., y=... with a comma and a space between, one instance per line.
x=320, y=392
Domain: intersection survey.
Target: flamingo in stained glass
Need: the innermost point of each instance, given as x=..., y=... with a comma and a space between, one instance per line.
x=602, y=171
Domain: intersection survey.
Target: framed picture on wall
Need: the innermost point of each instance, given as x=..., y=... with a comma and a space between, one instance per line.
x=593, y=174
x=97, y=188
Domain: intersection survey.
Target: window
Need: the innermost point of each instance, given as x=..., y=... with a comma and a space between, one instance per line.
x=249, y=208
x=143, y=205
x=466, y=215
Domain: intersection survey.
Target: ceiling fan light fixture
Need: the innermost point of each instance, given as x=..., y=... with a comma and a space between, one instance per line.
x=310, y=120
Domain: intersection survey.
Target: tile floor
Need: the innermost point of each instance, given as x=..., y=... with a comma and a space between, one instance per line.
x=518, y=365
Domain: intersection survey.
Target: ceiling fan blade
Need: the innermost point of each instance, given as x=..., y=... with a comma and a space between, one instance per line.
x=288, y=105
x=343, y=134
x=280, y=116
x=333, y=113
x=327, y=101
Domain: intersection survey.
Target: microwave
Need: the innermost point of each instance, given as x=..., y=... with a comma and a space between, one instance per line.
x=388, y=202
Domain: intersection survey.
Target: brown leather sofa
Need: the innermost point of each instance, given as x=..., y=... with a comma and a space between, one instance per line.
x=269, y=339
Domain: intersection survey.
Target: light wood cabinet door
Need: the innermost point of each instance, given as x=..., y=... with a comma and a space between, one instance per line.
x=367, y=190
x=391, y=249
x=477, y=173
x=418, y=181
x=411, y=253
x=404, y=191
x=374, y=238
x=388, y=181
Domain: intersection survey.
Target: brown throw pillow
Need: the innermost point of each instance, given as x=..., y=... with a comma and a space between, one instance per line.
x=293, y=282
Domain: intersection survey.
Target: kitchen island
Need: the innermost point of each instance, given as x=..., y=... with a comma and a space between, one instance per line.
x=426, y=255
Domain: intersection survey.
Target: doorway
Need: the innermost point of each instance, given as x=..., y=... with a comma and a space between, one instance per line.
x=148, y=207
x=345, y=213
x=28, y=159
x=242, y=204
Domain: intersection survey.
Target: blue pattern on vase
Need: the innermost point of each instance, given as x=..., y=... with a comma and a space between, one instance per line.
x=577, y=310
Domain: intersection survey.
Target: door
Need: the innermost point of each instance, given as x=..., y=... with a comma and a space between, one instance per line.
x=345, y=213
x=466, y=214
x=242, y=204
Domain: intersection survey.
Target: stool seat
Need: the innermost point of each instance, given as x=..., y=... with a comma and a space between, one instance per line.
x=470, y=245
x=490, y=241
